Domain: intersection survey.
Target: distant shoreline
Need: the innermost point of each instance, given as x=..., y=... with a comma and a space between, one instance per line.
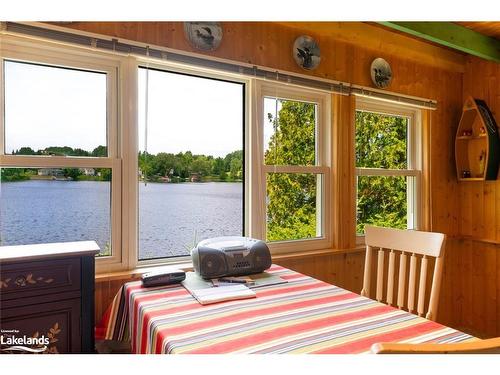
x=50, y=178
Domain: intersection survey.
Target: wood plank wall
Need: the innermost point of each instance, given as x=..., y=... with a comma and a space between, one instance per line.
x=473, y=285
x=419, y=69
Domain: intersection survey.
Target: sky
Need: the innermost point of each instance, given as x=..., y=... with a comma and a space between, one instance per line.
x=68, y=108
x=204, y=116
x=47, y=106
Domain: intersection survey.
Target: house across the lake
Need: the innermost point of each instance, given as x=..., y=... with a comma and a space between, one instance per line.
x=54, y=172
x=88, y=171
x=195, y=177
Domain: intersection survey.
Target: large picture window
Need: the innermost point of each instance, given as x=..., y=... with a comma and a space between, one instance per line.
x=190, y=161
x=59, y=168
x=388, y=165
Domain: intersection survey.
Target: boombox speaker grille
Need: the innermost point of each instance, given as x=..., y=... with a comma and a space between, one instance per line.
x=261, y=259
x=213, y=263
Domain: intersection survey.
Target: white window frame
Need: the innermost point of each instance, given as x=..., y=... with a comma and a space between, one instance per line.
x=122, y=143
x=131, y=193
x=37, y=51
x=414, y=155
x=263, y=89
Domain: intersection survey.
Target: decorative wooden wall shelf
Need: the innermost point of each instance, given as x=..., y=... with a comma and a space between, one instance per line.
x=477, y=144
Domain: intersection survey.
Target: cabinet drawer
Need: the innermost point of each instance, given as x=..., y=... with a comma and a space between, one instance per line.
x=59, y=322
x=22, y=280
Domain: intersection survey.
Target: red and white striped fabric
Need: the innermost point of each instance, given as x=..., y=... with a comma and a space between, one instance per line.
x=304, y=315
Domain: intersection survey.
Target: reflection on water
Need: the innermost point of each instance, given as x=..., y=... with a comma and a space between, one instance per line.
x=171, y=216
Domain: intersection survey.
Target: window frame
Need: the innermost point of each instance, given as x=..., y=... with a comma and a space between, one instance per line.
x=122, y=140
x=27, y=50
x=414, y=157
x=258, y=224
x=131, y=167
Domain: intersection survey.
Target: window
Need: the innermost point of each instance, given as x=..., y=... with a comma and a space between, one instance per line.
x=191, y=157
x=291, y=155
x=190, y=152
x=59, y=167
x=388, y=165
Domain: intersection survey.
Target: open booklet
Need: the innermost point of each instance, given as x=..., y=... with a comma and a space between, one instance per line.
x=206, y=293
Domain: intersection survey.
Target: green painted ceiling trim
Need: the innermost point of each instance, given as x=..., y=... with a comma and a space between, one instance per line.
x=452, y=35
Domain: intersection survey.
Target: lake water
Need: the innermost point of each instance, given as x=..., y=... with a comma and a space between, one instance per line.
x=171, y=216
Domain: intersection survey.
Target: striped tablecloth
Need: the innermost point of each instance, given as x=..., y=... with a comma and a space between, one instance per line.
x=304, y=315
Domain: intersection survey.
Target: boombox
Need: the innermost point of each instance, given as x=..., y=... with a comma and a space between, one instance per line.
x=230, y=256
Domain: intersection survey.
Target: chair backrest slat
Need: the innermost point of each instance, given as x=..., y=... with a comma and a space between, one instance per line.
x=421, y=286
x=435, y=288
x=406, y=243
x=380, y=275
x=390, y=280
x=368, y=274
x=401, y=282
x=411, y=283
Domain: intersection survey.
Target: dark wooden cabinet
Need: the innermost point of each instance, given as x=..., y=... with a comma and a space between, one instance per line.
x=48, y=290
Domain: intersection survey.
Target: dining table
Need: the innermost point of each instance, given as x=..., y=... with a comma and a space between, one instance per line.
x=300, y=315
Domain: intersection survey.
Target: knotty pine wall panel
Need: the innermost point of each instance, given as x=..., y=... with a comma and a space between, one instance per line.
x=344, y=270
x=474, y=287
x=479, y=205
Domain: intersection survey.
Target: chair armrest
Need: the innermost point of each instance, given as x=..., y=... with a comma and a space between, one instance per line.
x=479, y=346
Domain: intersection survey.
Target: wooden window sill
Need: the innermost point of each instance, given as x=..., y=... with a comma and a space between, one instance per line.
x=137, y=272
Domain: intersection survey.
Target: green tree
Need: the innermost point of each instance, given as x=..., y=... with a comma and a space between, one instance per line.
x=59, y=151
x=14, y=174
x=162, y=163
x=218, y=166
x=100, y=151
x=145, y=165
x=238, y=155
x=79, y=152
x=381, y=142
x=25, y=151
x=235, y=170
x=233, y=164
x=201, y=165
x=291, y=209
x=183, y=162
x=73, y=173
x=222, y=175
x=103, y=173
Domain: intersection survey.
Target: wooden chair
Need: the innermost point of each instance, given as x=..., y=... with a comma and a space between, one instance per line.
x=404, y=243
x=474, y=347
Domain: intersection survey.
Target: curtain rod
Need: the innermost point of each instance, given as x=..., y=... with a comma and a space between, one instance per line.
x=143, y=50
